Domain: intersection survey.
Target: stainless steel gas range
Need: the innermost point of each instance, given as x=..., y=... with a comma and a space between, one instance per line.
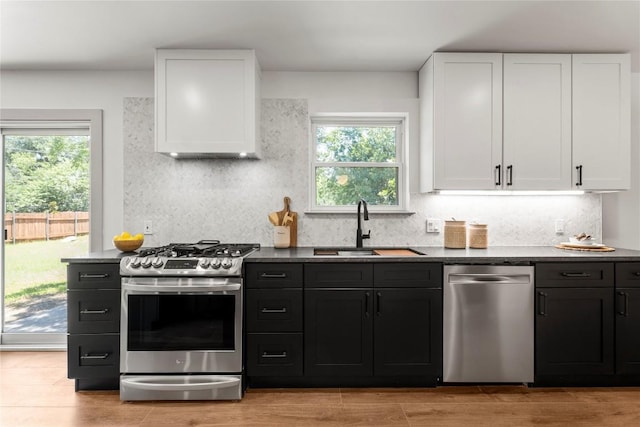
x=181, y=322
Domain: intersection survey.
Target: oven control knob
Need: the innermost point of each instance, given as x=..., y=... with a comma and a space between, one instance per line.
x=146, y=262
x=156, y=262
x=226, y=263
x=135, y=263
x=216, y=263
x=204, y=263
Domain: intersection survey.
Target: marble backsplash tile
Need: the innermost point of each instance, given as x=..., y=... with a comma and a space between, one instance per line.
x=229, y=200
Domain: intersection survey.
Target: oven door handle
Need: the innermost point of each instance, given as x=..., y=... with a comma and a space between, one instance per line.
x=160, y=289
x=158, y=383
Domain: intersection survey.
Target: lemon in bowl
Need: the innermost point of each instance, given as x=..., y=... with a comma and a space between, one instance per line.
x=125, y=242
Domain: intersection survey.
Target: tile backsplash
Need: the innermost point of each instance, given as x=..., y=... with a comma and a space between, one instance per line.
x=229, y=200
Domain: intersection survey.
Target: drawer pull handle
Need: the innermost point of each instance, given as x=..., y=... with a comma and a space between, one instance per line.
x=637, y=273
x=274, y=355
x=103, y=311
x=274, y=310
x=625, y=307
x=94, y=356
x=94, y=276
x=576, y=275
x=274, y=275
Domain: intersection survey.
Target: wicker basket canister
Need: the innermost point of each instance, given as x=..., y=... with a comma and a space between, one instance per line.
x=455, y=234
x=478, y=238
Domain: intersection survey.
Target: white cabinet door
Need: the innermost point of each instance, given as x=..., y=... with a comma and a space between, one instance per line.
x=206, y=102
x=601, y=121
x=465, y=97
x=537, y=121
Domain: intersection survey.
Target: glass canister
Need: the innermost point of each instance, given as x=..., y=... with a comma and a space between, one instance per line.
x=478, y=236
x=455, y=234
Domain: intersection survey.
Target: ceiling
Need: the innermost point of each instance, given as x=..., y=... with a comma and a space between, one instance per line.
x=306, y=35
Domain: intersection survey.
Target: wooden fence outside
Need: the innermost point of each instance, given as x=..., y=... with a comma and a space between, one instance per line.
x=21, y=227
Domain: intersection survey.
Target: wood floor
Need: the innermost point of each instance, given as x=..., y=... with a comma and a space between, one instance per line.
x=35, y=391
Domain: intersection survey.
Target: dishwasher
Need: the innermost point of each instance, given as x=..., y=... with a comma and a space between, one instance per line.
x=488, y=324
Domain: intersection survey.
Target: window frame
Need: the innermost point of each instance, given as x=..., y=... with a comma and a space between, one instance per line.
x=398, y=120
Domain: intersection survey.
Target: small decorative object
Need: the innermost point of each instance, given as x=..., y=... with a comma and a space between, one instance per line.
x=281, y=236
x=455, y=234
x=478, y=236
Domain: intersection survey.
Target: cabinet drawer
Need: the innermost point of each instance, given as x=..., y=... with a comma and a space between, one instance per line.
x=331, y=275
x=575, y=274
x=628, y=275
x=407, y=275
x=93, y=356
x=93, y=311
x=280, y=275
x=93, y=276
x=274, y=310
x=274, y=354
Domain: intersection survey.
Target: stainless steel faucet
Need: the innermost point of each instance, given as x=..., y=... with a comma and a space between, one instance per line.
x=359, y=235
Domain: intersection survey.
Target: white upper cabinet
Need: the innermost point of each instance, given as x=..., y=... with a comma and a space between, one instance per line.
x=601, y=121
x=207, y=102
x=461, y=121
x=537, y=121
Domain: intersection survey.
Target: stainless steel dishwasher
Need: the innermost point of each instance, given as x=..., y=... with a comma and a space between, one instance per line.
x=488, y=324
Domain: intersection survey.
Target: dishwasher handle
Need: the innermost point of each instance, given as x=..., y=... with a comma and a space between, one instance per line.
x=485, y=278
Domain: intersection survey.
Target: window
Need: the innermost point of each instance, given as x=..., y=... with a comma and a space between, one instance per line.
x=357, y=158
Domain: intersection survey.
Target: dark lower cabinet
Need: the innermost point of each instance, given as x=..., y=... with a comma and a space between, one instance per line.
x=338, y=334
x=407, y=332
x=273, y=314
x=574, y=331
x=93, y=321
x=373, y=333
x=628, y=331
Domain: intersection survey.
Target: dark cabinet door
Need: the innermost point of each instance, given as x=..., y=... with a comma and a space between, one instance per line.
x=628, y=331
x=338, y=332
x=574, y=331
x=407, y=331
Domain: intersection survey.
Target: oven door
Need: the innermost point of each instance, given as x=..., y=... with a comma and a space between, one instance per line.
x=181, y=325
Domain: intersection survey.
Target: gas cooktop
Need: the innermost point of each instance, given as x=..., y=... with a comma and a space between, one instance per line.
x=204, y=258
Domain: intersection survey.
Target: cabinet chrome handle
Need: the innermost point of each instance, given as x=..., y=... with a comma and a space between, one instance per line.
x=103, y=311
x=542, y=303
x=575, y=275
x=94, y=356
x=94, y=276
x=579, y=171
x=274, y=310
x=378, y=295
x=625, y=310
x=274, y=275
x=274, y=355
x=510, y=175
x=498, y=177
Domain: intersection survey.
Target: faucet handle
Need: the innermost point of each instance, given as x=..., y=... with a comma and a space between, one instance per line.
x=367, y=236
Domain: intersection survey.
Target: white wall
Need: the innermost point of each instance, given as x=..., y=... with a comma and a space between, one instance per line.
x=85, y=90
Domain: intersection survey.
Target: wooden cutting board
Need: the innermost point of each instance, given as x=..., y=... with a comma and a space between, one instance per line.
x=574, y=248
x=293, y=225
x=395, y=252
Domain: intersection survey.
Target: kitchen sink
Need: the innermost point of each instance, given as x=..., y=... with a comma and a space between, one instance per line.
x=360, y=252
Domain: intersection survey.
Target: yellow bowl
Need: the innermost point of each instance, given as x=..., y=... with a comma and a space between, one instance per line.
x=128, y=245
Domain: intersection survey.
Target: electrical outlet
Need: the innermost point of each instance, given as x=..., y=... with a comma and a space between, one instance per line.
x=148, y=227
x=433, y=225
x=559, y=226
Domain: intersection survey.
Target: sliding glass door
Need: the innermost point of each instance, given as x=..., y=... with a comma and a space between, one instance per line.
x=46, y=194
